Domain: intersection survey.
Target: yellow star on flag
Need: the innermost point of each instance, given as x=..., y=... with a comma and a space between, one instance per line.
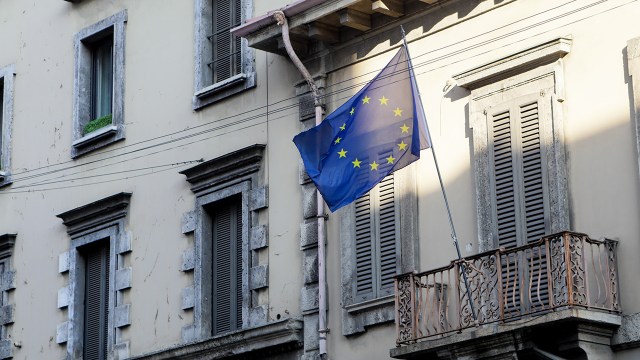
x=337, y=140
x=342, y=153
x=366, y=100
x=374, y=165
x=344, y=126
x=383, y=100
x=356, y=163
x=353, y=110
x=390, y=159
x=405, y=128
x=401, y=146
x=397, y=112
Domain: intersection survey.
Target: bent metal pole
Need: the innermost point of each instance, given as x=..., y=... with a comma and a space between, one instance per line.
x=444, y=194
x=322, y=287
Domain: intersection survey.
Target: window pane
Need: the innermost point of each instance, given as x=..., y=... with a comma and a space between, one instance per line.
x=102, y=81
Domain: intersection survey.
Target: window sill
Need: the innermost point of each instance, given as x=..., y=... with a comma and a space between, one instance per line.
x=96, y=139
x=278, y=337
x=223, y=89
x=222, y=85
x=370, y=304
x=95, y=135
x=5, y=178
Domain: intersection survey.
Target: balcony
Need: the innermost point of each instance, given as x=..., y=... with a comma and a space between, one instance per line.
x=533, y=299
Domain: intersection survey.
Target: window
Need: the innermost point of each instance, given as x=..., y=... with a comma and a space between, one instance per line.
x=224, y=63
x=376, y=248
x=229, y=276
x=98, y=112
x=94, y=298
x=6, y=117
x=101, y=78
x=379, y=239
x=519, y=160
x=7, y=284
x=226, y=274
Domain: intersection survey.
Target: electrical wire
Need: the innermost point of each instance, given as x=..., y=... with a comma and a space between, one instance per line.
x=295, y=105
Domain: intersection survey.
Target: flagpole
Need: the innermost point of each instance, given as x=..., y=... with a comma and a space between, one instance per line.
x=444, y=193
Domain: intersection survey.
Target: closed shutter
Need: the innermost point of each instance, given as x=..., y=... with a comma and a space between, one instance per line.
x=226, y=57
x=376, y=241
x=520, y=209
x=227, y=266
x=96, y=301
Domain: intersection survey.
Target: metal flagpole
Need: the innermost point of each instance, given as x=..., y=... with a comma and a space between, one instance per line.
x=444, y=193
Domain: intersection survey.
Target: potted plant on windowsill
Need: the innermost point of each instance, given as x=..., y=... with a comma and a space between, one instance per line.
x=96, y=124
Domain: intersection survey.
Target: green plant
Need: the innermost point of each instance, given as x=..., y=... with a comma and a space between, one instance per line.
x=96, y=124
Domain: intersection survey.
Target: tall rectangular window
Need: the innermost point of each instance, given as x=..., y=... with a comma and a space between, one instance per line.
x=96, y=300
x=7, y=75
x=226, y=57
x=226, y=225
x=375, y=242
x=102, y=78
x=98, y=109
x=224, y=63
x=520, y=210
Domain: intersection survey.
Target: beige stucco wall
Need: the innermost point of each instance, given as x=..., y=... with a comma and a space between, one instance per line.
x=38, y=39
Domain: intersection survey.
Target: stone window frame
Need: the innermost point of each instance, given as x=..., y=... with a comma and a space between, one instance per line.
x=113, y=25
x=633, y=69
x=204, y=93
x=503, y=80
x=103, y=220
x=356, y=316
x=237, y=173
x=7, y=74
x=7, y=284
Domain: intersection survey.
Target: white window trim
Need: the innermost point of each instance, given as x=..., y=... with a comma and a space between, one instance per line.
x=205, y=94
x=83, y=144
x=7, y=74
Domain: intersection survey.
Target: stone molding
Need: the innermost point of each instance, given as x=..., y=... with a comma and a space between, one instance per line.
x=102, y=220
x=96, y=213
x=270, y=339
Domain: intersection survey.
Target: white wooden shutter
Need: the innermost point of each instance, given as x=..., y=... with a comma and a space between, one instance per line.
x=96, y=301
x=227, y=267
x=376, y=241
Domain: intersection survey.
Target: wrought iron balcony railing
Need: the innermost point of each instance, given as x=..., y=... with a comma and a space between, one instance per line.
x=559, y=271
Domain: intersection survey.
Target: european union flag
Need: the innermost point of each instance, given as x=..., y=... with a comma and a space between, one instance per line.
x=378, y=131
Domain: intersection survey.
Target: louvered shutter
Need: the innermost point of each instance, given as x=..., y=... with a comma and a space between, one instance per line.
x=226, y=57
x=520, y=200
x=227, y=266
x=520, y=209
x=96, y=301
x=375, y=241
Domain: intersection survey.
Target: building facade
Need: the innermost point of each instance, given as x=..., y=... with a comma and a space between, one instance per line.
x=153, y=205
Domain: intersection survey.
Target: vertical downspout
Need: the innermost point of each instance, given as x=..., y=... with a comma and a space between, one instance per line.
x=322, y=287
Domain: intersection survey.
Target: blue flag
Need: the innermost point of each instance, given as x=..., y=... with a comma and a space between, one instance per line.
x=378, y=131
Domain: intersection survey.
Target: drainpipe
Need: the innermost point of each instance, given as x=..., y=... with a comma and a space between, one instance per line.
x=322, y=282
